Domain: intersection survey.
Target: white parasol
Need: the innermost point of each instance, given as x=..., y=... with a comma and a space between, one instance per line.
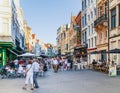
x=27, y=55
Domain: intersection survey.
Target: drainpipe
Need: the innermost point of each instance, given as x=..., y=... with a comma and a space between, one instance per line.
x=108, y=32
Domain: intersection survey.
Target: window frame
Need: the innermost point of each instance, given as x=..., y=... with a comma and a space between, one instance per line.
x=113, y=18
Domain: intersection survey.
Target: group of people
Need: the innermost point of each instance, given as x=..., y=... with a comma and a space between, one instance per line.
x=64, y=64
x=101, y=62
x=31, y=73
x=29, y=68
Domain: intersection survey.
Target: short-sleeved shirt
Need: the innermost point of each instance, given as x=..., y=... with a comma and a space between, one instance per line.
x=36, y=67
x=30, y=69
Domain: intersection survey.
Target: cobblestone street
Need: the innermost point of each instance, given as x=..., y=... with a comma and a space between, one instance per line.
x=66, y=82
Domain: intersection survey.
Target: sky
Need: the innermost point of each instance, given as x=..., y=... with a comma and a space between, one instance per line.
x=46, y=16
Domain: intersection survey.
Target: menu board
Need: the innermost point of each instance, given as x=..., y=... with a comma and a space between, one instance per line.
x=112, y=71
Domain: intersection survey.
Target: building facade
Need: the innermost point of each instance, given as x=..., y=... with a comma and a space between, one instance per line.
x=62, y=41
x=84, y=22
x=11, y=36
x=91, y=33
x=114, y=39
x=101, y=28
x=28, y=38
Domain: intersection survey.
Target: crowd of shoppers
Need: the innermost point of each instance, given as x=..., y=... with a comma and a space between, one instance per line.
x=31, y=68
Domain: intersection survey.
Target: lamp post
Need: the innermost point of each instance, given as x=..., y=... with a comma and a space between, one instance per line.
x=108, y=32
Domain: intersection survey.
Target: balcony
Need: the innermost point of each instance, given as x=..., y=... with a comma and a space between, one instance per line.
x=102, y=20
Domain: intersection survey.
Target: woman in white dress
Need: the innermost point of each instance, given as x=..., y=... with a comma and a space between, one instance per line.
x=29, y=75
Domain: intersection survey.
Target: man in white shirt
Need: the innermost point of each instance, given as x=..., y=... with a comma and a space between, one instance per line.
x=55, y=65
x=16, y=63
x=36, y=68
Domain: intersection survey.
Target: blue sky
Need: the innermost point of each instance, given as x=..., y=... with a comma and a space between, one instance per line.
x=46, y=16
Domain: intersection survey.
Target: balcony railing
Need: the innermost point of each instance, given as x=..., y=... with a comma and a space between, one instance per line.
x=100, y=20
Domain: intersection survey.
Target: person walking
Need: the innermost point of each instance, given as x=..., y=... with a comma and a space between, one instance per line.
x=16, y=63
x=55, y=65
x=29, y=75
x=36, y=68
x=79, y=64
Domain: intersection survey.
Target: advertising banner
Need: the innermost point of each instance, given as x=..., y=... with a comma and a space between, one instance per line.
x=112, y=71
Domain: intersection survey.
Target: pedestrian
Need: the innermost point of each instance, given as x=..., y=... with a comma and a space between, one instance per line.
x=29, y=75
x=68, y=65
x=36, y=68
x=79, y=64
x=16, y=63
x=55, y=65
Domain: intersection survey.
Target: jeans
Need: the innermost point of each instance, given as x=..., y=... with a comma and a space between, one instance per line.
x=35, y=79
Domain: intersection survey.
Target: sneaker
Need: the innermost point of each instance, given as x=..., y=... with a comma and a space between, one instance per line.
x=36, y=87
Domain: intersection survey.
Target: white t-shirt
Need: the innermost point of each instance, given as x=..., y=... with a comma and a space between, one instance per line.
x=16, y=62
x=30, y=69
x=20, y=69
x=36, y=67
x=55, y=62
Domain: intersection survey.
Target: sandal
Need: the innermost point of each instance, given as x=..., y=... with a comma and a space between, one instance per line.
x=32, y=88
x=24, y=88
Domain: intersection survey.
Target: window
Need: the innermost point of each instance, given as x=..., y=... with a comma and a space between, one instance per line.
x=89, y=43
x=82, y=37
x=91, y=14
x=95, y=12
x=101, y=11
x=66, y=46
x=119, y=15
x=91, y=28
x=91, y=1
x=85, y=19
x=95, y=41
x=85, y=36
x=105, y=33
x=88, y=30
x=113, y=18
x=82, y=21
x=82, y=5
x=88, y=17
x=88, y=2
x=64, y=35
x=85, y=3
x=106, y=8
x=92, y=41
